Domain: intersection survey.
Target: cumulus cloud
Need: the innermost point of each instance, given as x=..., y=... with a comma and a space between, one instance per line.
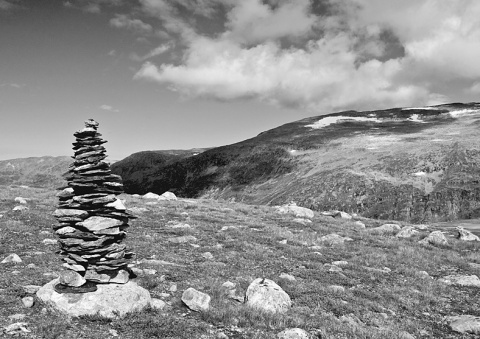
x=358, y=54
x=137, y=25
x=109, y=108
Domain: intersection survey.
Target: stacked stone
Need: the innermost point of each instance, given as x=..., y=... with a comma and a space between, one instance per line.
x=92, y=220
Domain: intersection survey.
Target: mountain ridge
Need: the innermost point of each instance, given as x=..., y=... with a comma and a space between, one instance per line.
x=413, y=164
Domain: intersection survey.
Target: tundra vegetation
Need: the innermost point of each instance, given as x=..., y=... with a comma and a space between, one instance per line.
x=385, y=287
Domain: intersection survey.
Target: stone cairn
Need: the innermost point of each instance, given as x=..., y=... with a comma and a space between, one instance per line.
x=92, y=220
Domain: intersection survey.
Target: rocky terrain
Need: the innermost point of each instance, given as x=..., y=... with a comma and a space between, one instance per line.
x=220, y=270
x=413, y=164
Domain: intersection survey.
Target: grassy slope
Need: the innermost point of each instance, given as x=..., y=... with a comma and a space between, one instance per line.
x=386, y=303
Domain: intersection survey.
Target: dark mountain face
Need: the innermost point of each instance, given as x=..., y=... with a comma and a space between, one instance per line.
x=415, y=164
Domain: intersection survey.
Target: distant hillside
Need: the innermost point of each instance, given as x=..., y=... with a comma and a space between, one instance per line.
x=139, y=170
x=413, y=164
x=35, y=171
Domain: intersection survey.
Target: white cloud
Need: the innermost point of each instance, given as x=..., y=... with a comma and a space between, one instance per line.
x=154, y=52
x=13, y=85
x=123, y=21
x=109, y=108
x=343, y=62
x=92, y=8
x=7, y=5
x=252, y=21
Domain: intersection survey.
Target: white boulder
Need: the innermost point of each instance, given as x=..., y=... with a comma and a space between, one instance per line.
x=434, y=238
x=465, y=235
x=266, y=295
x=169, y=196
x=297, y=211
x=196, y=300
x=293, y=333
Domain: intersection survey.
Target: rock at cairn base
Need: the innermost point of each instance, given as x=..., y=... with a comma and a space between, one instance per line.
x=109, y=300
x=92, y=220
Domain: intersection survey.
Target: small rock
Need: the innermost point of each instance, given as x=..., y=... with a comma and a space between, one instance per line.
x=221, y=335
x=182, y=239
x=434, y=238
x=286, y=276
x=407, y=232
x=333, y=268
x=340, y=263
x=464, y=323
x=117, y=204
x=28, y=302
x=173, y=288
x=157, y=304
x=465, y=235
x=405, y=335
x=336, y=288
x=16, y=328
x=385, y=229
x=302, y=221
x=31, y=266
x=461, y=280
x=49, y=241
x=196, y=300
x=113, y=332
x=228, y=285
x=12, y=258
x=31, y=289
x=422, y=275
x=474, y=265
x=20, y=208
x=293, y=333
x=283, y=242
x=207, y=255
x=267, y=296
x=21, y=200
x=342, y=215
x=421, y=227
x=226, y=228
x=17, y=316
x=334, y=239
x=359, y=224
x=71, y=278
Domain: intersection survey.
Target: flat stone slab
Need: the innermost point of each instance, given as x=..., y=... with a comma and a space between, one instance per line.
x=109, y=300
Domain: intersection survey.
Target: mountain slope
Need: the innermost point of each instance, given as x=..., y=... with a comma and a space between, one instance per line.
x=413, y=164
x=34, y=171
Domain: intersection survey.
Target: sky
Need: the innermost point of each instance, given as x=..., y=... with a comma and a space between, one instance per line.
x=181, y=74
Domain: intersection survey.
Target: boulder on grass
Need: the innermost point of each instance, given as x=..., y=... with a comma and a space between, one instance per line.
x=297, y=211
x=464, y=323
x=196, y=300
x=435, y=238
x=169, y=196
x=267, y=296
x=385, y=229
x=465, y=235
x=109, y=300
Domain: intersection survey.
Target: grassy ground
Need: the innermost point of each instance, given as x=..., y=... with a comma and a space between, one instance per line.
x=374, y=304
